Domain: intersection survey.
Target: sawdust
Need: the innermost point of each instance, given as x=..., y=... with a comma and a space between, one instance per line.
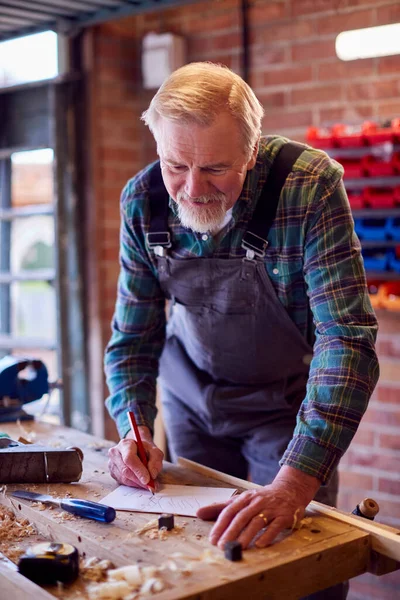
x=99, y=445
x=12, y=530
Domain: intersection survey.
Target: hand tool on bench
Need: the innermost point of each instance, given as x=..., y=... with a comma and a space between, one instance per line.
x=22, y=380
x=50, y=562
x=75, y=506
x=32, y=463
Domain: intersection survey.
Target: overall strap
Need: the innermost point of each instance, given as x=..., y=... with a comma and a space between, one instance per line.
x=255, y=238
x=158, y=237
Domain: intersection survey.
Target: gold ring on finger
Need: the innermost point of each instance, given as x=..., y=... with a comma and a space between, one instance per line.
x=263, y=517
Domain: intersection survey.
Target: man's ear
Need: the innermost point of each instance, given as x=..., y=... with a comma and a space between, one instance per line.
x=253, y=157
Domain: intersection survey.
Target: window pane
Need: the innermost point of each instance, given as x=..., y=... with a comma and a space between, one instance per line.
x=32, y=177
x=28, y=58
x=32, y=244
x=33, y=310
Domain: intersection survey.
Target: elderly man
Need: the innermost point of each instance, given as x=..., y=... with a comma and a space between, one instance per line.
x=267, y=361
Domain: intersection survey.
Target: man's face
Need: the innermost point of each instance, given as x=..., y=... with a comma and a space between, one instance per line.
x=203, y=168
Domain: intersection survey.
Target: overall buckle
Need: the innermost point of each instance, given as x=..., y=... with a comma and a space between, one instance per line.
x=155, y=239
x=254, y=245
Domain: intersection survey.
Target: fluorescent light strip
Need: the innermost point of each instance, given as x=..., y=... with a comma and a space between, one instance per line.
x=369, y=43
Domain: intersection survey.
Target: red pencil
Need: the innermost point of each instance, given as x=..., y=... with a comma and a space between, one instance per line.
x=141, y=451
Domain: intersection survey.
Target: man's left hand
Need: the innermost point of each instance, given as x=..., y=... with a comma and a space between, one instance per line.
x=269, y=510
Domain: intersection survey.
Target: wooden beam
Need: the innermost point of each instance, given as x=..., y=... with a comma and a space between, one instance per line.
x=16, y=586
x=384, y=540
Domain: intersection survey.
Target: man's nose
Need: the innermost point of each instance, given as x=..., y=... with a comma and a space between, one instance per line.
x=196, y=184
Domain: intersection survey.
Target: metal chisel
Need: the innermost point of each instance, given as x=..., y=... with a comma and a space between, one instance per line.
x=81, y=508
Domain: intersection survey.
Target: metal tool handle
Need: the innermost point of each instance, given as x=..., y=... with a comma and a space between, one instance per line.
x=88, y=509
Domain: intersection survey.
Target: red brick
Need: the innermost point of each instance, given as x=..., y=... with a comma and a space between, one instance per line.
x=360, y=91
x=388, y=14
x=274, y=121
x=119, y=155
x=110, y=254
x=388, y=64
x=263, y=12
x=280, y=32
x=344, y=22
x=217, y=22
x=276, y=99
x=262, y=56
x=227, y=41
x=389, y=510
x=287, y=75
x=364, y=437
x=386, y=440
x=337, y=69
x=389, y=346
x=316, y=94
x=354, y=480
x=314, y=51
x=389, y=88
x=376, y=461
x=310, y=7
x=390, y=109
x=340, y=114
x=389, y=486
x=382, y=417
x=388, y=394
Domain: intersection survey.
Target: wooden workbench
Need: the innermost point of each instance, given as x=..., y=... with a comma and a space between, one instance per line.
x=320, y=554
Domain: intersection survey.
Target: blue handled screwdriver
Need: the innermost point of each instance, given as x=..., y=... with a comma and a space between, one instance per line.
x=75, y=506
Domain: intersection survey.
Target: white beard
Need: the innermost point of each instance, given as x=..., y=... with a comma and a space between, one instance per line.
x=206, y=218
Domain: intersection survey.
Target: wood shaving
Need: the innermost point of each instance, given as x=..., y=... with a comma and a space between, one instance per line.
x=65, y=516
x=28, y=435
x=39, y=505
x=295, y=517
x=113, y=590
x=150, y=525
x=306, y=522
x=153, y=533
x=12, y=528
x=126, y=583
x=152, y=585
x=95, y=569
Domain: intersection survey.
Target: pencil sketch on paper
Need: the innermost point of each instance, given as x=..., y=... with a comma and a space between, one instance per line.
x=175, y=499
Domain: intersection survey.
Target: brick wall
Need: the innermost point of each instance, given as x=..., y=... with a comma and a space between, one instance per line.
x=295, y=73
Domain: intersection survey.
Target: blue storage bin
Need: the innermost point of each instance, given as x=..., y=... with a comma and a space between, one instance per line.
x=372, y=229
x=376, y=259
x=393, y=228
x=394, y=262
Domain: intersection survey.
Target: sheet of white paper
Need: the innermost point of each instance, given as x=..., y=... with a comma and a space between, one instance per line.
x=173, y=499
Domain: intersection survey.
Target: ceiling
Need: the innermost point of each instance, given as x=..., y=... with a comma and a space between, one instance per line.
x=23, y=17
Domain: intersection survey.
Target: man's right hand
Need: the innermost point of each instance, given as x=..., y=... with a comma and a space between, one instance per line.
x=126, y=467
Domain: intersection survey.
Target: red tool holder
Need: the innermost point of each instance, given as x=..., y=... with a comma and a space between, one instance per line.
x=370, y=156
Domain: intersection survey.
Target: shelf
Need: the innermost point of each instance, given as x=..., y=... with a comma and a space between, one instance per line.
x=379, y=243
x=363, y=182
x=378, y=150
x=382, y=275
x=375, y=213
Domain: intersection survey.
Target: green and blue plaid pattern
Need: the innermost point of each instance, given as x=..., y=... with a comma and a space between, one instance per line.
x=314, y=262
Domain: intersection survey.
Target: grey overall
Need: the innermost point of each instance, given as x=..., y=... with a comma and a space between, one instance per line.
x=233, y=371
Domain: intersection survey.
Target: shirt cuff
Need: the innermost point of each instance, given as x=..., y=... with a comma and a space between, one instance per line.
x=311, y=457
x=143, y=418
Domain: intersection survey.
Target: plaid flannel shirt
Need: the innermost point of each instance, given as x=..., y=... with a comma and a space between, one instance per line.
x=314, y=262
